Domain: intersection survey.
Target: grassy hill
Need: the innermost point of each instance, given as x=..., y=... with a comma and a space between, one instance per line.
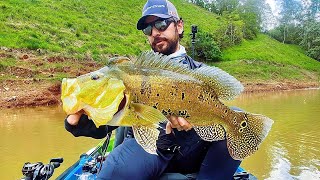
x=266, y=60
x=96, y=30
x=83, y=27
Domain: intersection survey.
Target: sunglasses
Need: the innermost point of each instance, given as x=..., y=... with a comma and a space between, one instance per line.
x=160, y=25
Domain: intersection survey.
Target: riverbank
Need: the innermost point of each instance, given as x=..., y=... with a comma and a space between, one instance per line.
x=31, y=78
x=29, y=93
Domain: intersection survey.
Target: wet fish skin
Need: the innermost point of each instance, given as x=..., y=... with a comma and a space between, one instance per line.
x=154, y=87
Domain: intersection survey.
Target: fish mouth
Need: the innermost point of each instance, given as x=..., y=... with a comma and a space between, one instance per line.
x=122, y=104
x=116, y=119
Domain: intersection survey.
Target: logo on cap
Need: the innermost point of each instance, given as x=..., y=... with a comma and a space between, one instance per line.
x=172, y=13
x=154, y=6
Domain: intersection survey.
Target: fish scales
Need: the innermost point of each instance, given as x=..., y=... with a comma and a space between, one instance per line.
x=143, y=93
x=172, y=96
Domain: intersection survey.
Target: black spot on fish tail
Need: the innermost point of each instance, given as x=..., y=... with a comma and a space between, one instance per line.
x=244, y=124
x=245, y=116
x=182, y=96
x=235, y=120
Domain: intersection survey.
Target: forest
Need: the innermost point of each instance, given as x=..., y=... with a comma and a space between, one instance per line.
x=288, y=21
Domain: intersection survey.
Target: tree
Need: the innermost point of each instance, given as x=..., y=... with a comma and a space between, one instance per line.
x=250, y=13
x=268, y=19
x=311, y=39
x=206, y=48
x=290, y=16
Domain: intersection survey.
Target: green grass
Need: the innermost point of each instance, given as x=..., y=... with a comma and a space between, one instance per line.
x=9, y=62
x=85, y=29
x=265, y=59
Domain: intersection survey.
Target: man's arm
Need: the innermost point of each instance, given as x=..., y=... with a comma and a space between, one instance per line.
x=79, y=125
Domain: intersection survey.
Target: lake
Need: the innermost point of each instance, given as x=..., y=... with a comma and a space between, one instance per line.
x=291, y=150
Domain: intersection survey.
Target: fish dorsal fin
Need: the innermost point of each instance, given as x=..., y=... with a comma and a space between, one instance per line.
x=118, y=60
x=226, y=86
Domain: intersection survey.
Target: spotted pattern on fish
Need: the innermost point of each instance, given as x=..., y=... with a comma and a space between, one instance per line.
x=156, y=87
x=146, y=136
x=240, y=147
x=145, y=87
x=210, y=133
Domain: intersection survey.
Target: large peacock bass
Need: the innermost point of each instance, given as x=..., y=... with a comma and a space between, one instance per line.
x=143, y=92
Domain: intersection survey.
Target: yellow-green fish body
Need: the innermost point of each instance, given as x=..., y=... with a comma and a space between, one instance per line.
x=142, y=93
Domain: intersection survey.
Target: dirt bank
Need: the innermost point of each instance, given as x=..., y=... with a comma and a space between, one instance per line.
x=278, y=86
x=33, y=79
x=27, y=93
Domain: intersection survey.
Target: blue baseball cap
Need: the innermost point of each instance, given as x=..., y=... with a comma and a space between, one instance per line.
x=159, y=8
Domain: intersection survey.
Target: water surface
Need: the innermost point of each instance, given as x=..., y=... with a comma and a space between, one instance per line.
x=291, y=150
x=37, y=134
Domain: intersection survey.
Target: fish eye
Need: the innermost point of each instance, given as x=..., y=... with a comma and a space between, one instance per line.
x=94, y=77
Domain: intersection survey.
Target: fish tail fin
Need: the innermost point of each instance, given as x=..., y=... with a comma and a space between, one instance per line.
x=245, y=139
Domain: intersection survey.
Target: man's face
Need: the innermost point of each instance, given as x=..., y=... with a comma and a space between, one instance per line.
x=167, y=41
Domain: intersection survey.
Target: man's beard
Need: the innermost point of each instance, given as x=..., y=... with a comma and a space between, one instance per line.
x=166, y=50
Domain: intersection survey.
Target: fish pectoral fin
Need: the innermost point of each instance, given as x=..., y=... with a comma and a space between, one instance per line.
x=211, y=133
x=146, y=137
x=148, y=113
x=244, y=141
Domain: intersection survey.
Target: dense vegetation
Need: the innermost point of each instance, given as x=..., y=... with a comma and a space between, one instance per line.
x=85, y=29
x=298, y=22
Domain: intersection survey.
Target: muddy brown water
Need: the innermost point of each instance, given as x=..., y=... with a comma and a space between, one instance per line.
x=291, y=150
